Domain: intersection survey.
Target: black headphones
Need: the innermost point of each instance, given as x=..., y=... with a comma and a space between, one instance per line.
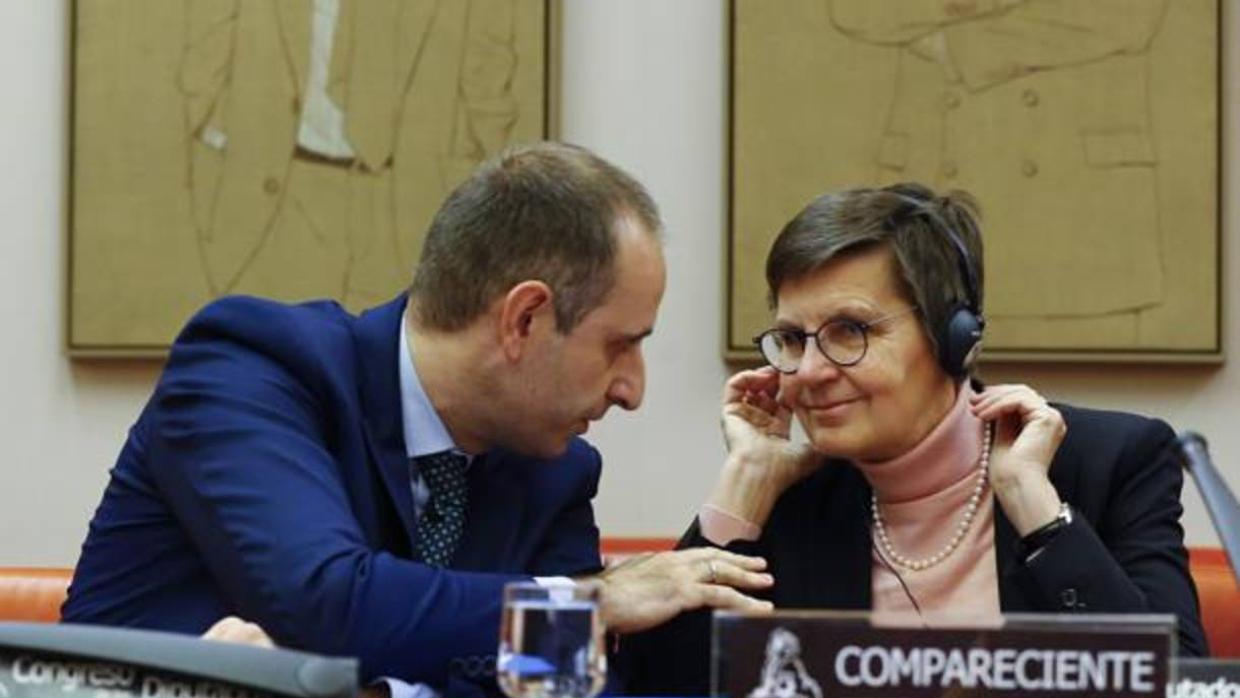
x=959, y=339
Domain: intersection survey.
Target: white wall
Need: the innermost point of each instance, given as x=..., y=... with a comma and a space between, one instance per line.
x=60, y=423
x=643, y=85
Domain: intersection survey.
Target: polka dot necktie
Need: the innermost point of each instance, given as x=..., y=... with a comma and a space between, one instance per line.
x=443, y=517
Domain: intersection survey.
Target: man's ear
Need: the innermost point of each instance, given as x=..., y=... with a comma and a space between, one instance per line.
x=525, y=311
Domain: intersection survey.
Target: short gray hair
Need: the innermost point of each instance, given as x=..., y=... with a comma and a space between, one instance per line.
x=545, y=211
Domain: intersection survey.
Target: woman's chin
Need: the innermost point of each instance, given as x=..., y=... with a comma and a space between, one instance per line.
x=836, y=443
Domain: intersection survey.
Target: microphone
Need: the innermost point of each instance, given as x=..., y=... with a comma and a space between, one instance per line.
x=1220, y=502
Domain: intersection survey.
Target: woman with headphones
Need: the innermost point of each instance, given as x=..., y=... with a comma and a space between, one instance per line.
x=920, y=491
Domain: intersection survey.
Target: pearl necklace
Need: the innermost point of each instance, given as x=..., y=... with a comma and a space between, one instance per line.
x=970, y=511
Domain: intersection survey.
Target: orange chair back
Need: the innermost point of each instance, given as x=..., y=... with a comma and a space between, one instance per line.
x=1220, y=600
x=616, y=550
x=36, y=593
x=33, y=594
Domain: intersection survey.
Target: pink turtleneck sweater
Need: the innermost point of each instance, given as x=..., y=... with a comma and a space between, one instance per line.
x=922, y=496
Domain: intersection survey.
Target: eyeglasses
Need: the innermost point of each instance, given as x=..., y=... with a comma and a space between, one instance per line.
x=842, y=341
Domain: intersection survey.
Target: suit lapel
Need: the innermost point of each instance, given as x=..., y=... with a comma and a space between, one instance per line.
x=838, y=505
x=857, y=592
x=415, y=22
x=497, y=499
x=295, y=17
x=371, y=92
x=375, y=335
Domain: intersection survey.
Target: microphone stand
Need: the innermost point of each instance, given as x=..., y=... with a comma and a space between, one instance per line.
x=1218, y=498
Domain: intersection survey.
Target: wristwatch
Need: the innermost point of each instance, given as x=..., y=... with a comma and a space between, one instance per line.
x=1038, y=539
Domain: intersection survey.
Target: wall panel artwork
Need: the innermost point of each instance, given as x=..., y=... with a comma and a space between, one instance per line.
x=1088, y=131
x=292, y=149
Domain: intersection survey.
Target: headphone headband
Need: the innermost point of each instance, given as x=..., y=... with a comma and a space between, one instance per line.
x=964, y=261
x=959, y=337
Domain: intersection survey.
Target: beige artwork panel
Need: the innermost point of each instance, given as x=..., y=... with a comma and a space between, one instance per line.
x=293, y=149
x=1088, y=131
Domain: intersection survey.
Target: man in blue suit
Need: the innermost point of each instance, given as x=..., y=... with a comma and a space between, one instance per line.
x=366, y=485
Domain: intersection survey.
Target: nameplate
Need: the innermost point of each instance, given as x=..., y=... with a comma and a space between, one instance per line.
x=38, y=674
x=1206, y=678
x=815, y=654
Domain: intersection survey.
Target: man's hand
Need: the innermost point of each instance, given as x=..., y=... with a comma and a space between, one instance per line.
x=650, y=589
x=233, y=629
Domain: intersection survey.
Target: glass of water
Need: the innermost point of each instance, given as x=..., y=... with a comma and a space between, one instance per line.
x=551, y=641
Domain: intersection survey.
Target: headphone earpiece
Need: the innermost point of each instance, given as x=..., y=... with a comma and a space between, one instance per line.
x=960, y=340
x=960, y=337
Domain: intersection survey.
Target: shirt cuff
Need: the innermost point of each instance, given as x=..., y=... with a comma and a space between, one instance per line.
x=554, y=582
x=721, y=528
x=400, y=689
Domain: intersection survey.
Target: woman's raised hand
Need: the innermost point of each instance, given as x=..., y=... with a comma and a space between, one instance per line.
x=1028, y=432
x=762, y=459
x=753, y=416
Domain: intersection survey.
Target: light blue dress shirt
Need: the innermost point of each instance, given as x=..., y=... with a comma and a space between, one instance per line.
x=424, y=431
x=425, y=434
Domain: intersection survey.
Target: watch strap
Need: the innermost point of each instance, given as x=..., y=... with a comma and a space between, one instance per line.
x=1040, y=537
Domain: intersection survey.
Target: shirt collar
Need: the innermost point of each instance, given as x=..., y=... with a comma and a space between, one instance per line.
x=424, y=431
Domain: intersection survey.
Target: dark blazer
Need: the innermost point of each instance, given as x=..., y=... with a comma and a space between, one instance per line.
x=267, y=478
x=1124, y=552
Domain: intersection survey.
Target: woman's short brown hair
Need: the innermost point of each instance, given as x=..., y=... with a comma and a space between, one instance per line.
x=908, y=219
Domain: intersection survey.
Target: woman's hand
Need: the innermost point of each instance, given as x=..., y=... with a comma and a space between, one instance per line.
x=762, y=460
x=753, y=417
x=1028, y=432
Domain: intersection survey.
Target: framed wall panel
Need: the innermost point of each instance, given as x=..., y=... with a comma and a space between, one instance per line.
x=1089, y=132
x=292, y=149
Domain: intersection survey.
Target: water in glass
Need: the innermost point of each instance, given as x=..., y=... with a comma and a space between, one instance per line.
x=551, y=642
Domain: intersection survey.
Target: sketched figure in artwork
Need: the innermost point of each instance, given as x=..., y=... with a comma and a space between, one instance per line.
x=783, y=672
x=1041, y=109
x=324, y=133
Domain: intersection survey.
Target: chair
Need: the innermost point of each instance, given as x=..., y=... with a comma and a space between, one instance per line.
x=616, y=550
x=1220, y=600
x=33, y=594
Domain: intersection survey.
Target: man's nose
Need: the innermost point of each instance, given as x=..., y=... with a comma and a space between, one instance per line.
x=629, y=385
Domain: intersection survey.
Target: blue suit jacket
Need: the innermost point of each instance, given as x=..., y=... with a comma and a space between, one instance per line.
x=267, y=478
